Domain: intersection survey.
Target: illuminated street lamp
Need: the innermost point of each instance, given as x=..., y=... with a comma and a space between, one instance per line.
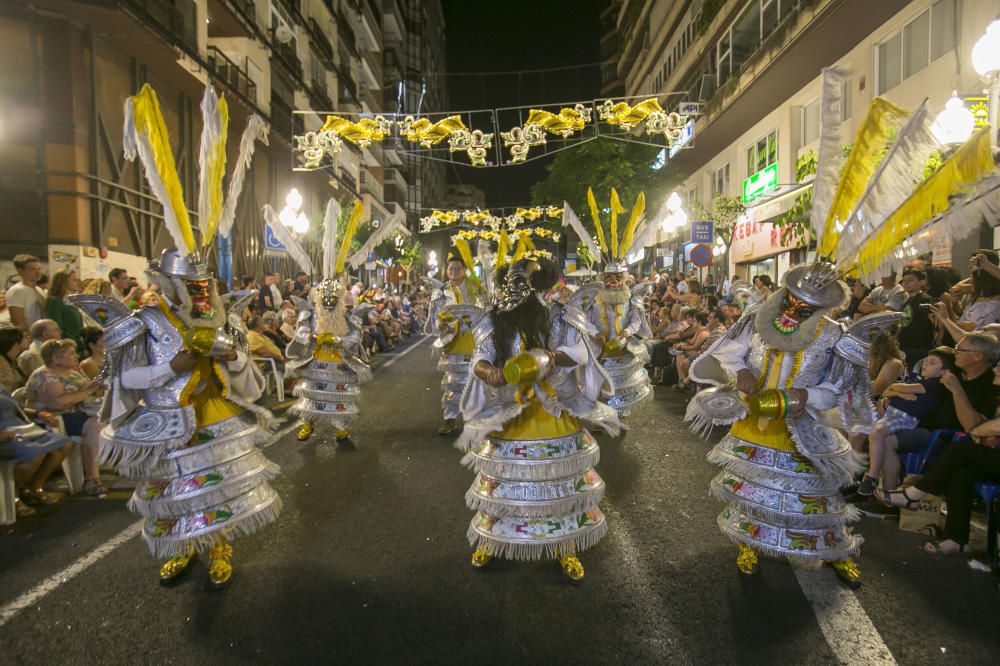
x=291, y=215
x=986, y=62
x=955, y=124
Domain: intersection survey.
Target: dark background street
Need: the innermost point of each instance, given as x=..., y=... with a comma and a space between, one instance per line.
x=369, y=564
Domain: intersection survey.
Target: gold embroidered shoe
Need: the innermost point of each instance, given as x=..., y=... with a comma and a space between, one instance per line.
x=481, y=557
x=174, y=569
x=848, y=572
x=572, y=567
x=746, y=561
x=305, y=430
x=220, y=568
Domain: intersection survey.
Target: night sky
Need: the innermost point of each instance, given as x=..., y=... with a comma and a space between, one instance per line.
x=517, y=35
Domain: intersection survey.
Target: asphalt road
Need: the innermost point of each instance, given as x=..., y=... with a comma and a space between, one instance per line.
x=369, y=564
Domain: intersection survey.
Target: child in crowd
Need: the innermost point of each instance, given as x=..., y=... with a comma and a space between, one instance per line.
x=911, y=403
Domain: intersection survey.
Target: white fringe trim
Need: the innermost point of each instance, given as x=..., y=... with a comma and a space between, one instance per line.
x=774, y=478
x=779, y=553
x=165, y=507
x=586, y=538
x=812, y=522
x=542, y=470
x=576, y=503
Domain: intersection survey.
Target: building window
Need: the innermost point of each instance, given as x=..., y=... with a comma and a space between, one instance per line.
x=720, y=182
x=809, y=122
x=694, y=197
x=758, y=19
x=846, y=100
x=762, y=154
x=929, y=36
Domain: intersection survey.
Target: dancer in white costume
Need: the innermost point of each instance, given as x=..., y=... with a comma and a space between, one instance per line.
x=455, y=309
x=536, y=492
x=180, y=412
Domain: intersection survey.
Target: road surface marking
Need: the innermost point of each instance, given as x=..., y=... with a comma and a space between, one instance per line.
x=847, y=628
x=50, y=584
x=404, y=352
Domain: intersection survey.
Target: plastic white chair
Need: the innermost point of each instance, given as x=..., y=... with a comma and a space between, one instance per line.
x=275, y=376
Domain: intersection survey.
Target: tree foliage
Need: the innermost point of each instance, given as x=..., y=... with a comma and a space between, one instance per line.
x=794, y=224
x=602, y=164
x=723, y=213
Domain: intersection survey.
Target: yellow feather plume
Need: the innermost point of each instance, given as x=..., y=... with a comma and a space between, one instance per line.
x=597, y=220
x=522, y=247
x=352, y=226
x=503, y=247
x=633, y=221
x=465, y=252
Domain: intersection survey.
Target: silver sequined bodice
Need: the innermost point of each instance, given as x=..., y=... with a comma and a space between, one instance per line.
x=163, y=342
x=815, y=359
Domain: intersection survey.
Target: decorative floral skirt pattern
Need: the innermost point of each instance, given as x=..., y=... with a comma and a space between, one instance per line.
x=329, y=392
x=631, y=381
x=536, y=498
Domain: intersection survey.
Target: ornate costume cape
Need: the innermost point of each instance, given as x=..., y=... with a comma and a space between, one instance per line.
x=331, y=369
x=536, y=491
x=190, y=438
x=780, y=478
x=453, y=314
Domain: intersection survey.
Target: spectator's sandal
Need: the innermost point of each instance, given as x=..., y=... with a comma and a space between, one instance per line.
x=934, y=548
x=94, y=488
x=40, y=496
x=22, y=510
x=886, y=497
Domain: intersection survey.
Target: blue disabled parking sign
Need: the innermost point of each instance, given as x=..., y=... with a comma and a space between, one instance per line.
x=271, y=243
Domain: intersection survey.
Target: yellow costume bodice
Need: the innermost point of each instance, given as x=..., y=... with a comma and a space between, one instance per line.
x=772, y=434
x=534, y=422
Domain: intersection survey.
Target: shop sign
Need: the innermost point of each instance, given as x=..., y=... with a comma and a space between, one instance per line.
x=687, y=133
x=980, y=107
x=760, y=183
x=752, y=239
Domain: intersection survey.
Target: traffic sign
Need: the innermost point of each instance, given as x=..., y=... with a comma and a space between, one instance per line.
x=271, y=244
x=701, y=255
x=701, y=232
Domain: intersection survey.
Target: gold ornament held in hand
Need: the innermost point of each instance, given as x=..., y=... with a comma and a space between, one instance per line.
x=526, y=368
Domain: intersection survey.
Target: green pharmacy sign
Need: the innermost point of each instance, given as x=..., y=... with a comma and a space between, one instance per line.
x=760, y=183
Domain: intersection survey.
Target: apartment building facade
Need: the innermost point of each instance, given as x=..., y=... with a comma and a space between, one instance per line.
x=68, y=66
x=755, y=66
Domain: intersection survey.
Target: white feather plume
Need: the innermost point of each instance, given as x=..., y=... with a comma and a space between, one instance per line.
x=831, y=139
x=330, y=220
x=256, y=130
x=571, y=220
x=295, y=251
x=387, y=230
x=211, y=131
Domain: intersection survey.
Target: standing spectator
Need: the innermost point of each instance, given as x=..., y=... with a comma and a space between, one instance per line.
x=42, y=331
x=93, y=340
x=916, y=330
x=26, y=299
x=4, y=311
x=248, y=282
x=69, y=318
x=885, y=297
x=59, y=387
x=13, y=341
x=273, y=282
x=264, y=300
x=121, y=283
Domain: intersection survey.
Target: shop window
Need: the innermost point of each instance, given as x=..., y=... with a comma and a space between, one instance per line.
x=809, y=122
x=927, y=37
x=762, y=154
x=720, y=182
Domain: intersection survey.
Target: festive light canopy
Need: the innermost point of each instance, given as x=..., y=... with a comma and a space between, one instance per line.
x=493, y=221
x=468, y=137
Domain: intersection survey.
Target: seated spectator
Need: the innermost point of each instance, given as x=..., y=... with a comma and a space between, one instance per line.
x=888, y=296
x=273, y=331
x=859, y=292
x=41, y=331
x=60, y=388
x=381, y=318
x=13, y=341
x=969, y=397
x=713, y=329
x=909, y=404
x=288, y=321
x=97, y=286
x=376, y=331
x=4, y=312
x=35, y=452
x=962, y=465
x=262, y=346
x=93, y=340
x=885, y=363
x=68, y=317
x=764, y=286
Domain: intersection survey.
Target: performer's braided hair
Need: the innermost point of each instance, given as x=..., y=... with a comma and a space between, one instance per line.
x=530, y=318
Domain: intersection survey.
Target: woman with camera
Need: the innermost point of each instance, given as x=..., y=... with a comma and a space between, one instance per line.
x=983, y=292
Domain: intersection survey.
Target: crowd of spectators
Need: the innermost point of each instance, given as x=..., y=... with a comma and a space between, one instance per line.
x=52, y=356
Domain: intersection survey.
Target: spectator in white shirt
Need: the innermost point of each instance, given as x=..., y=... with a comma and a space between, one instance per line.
x=273, y=280
x=25, y=299
x=120, y=283
x=888, y=296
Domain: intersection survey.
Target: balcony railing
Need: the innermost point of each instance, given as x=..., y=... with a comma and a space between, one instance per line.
x=228, y=71
x=346, y=34
x=287, y=55
x=347, y=88
x=320, y=98
x=175, y=18
x=349, y=180
x=246, y=8
x=319, y=40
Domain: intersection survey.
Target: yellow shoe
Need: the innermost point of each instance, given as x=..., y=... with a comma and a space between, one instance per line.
x=341, y=434
x=746, y=561
x=305, y=430
x=481, y=557
x=220, y=568
x=174, y=569
x=848, y=572
x=572, y=567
